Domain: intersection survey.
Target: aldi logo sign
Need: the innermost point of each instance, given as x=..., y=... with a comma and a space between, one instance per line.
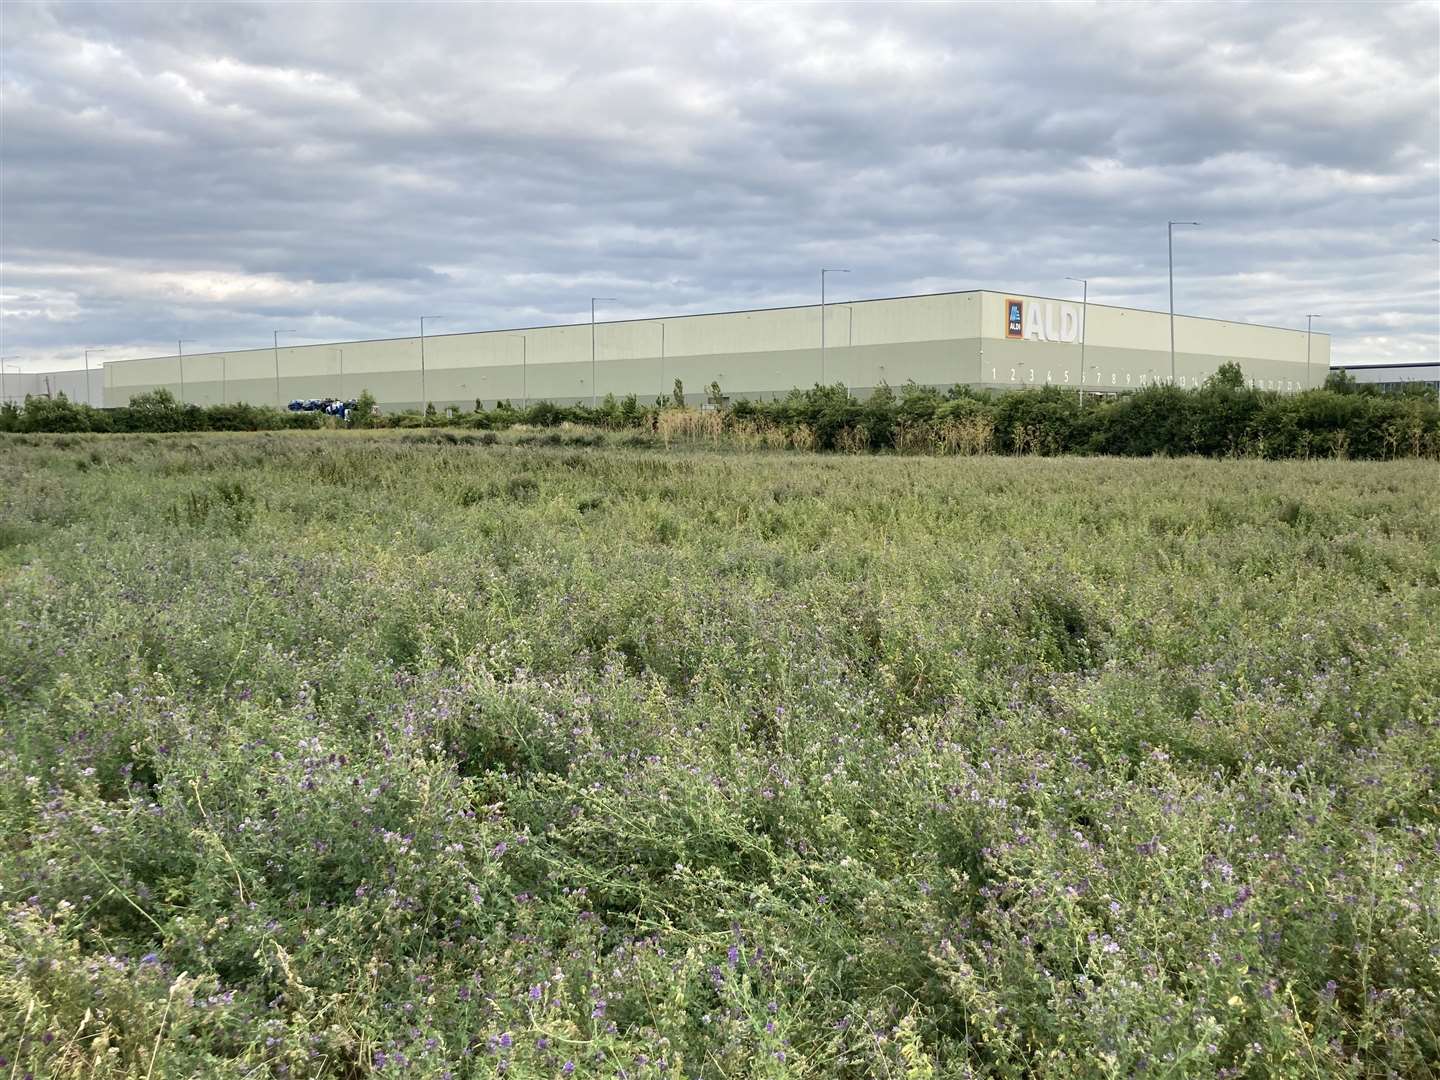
x=1014, y=318
x=1038, y=320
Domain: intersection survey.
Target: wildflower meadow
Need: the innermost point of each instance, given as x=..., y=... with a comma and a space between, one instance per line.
x=352, y=753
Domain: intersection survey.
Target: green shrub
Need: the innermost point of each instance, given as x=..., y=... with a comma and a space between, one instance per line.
x=1221, y=419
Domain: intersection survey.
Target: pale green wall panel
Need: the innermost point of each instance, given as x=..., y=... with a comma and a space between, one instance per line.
x=935, y=340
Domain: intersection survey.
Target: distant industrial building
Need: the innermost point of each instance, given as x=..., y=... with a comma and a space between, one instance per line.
x=16, y=386
x=980, y=339
x=1394, y=377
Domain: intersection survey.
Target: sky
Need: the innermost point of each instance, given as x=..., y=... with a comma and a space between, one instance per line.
x=218, y=171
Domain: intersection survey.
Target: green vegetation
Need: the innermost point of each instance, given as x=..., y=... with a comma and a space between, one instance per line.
x=157, y=411
x=380, y=753
x=1221, y=419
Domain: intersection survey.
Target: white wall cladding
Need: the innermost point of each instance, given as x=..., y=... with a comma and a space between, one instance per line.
x=936, y=340
x=17, y=385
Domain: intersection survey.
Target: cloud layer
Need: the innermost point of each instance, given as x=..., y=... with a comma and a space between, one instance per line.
x=217, y=171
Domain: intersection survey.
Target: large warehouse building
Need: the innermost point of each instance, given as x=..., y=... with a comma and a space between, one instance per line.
x=1395, y=377
x=980, y=339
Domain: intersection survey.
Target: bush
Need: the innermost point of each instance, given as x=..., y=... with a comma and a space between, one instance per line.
x=1224, y=418
x=363, y=415
x=1041, y=421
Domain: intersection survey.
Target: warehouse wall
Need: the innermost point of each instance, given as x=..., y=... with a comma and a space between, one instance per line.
x=932, y=339
x=935, y=340
x=15, y=386
x=1128, y=348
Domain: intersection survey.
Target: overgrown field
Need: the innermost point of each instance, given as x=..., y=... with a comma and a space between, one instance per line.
x=325, y=754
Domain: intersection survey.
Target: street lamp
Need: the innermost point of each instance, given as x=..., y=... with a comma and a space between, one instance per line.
x=1307, y=349
x=593, y=301
x=1436, y=240
x=87, y=373
x=180, y=355
x=662, y=358
x=1084, y=311
x=4, y=396
x=424, y=397
x=1170, y=244
x=524, y=360
x=275, y=340
x=822, y=318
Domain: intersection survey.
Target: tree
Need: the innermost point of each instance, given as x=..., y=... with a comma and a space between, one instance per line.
x=363, y=415
x=679, y=394
x=1341, y=382
x=1228, y=376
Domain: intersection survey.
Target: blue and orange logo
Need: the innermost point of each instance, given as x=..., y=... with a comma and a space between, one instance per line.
x=1014, y=318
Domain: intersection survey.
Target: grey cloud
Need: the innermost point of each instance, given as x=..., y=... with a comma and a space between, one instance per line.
x=211, y=169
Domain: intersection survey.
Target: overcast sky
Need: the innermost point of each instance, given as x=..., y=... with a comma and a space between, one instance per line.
x=221, y=170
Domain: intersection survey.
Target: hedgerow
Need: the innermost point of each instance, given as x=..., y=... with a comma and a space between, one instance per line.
x=1224, y=418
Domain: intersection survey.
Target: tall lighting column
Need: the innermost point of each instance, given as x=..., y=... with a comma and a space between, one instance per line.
x=822, y=318
x=424, y=396
x=180, y=356
x=4, y=397
x=1170, y=243
x=275, y=341
x=1084, y=313
x=593, y=301
x=1308, y=318
x=88, y=400
x=524, y=366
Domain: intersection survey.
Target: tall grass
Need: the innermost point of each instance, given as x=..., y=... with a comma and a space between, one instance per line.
x=368, y=753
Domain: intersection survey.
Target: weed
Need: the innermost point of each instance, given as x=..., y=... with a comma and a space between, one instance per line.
x=362, y=757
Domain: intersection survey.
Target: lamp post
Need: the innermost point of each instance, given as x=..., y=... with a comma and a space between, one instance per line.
x=593, y=301
x=525, y=369
x=4, y=397
x=524, y=362
x=662, y=359
x=1308, y=318
x=275, y=341
x=1170, y=246
x=1084, y=312
x=822, y=318
x=1436, y=240
x=87, y=373
x=180, y=356
x=424, y=397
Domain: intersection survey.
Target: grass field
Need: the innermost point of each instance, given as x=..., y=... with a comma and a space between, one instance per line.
x=325, y=754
